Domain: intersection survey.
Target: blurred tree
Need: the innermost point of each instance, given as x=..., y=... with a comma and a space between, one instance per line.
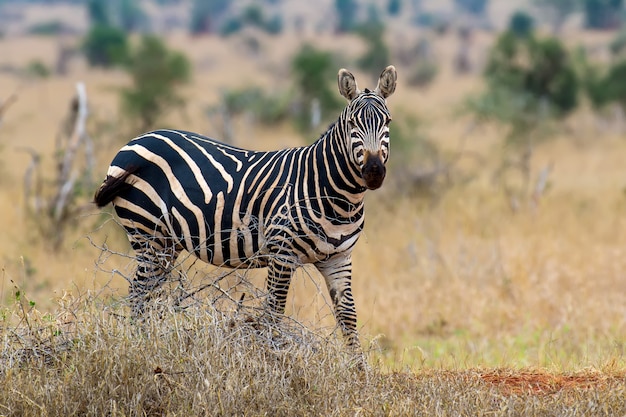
x=48, y=28
x=475, y=7
x=105, y=46
x=273, y=25
x=37, y=69
x=377, y=55
x=423, y=73
x=262, y=107
x=604, y=85
x=347, y=10
x=131, y=15
x=521, y=24
x=618, y=44
x=312, y=70
x=253, y=15
x=539, y=71
x=207, y=15
x=462, y=61
x=603, y=14
x=98, y=12
x=156, y=73
x=530, y=82
x=557, y=11
x=394, y=7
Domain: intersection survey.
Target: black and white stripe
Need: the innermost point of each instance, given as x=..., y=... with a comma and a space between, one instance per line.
x=175, y=190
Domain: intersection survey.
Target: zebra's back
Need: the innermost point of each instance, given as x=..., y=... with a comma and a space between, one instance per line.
x=194, y=190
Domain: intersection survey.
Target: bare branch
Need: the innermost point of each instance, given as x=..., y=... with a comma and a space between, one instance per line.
x=31, y=171
x=4, y=106
x=79, y=131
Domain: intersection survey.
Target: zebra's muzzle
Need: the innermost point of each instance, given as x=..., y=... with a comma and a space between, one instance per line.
x=373, y=172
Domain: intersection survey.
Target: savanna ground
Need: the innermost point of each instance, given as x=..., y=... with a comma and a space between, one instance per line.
x=466, y=307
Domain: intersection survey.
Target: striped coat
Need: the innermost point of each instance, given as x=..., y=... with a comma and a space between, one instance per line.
x=175, y=190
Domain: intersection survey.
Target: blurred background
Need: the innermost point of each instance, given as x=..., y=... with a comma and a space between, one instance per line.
x=499, y=235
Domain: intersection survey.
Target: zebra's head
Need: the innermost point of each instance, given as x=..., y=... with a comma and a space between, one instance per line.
x=367, y=124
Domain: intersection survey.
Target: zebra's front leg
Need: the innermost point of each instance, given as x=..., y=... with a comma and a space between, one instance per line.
x=337, y=272
x=279, y=271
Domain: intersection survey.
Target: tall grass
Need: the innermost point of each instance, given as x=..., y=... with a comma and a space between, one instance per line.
x=88, y=359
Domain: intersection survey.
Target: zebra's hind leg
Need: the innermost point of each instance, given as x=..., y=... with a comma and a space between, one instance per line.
x=155, y=259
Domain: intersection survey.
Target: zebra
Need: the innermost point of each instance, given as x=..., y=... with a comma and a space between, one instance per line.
x=174, y=190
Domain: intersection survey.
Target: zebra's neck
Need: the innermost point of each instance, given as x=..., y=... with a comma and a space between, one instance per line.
x=337, y=177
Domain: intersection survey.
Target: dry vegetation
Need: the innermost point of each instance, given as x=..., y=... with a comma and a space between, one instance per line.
x=466, y=307
x=90, y=361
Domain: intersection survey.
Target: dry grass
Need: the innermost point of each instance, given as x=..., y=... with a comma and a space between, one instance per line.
x=89, y=360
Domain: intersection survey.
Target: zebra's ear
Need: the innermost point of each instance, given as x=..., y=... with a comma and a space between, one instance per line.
x=387, y=82
x=347, y=84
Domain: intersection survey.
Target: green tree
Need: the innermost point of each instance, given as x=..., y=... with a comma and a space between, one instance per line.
x=156, y=73
x=530, y=82
x=604, y=85
x=539, y=70
x=346, y=12
x=521, y=24
x=98, y=12
x=377, y=54
x=557, y=11
x=394, y=7
x=475, y=7
x=312, y=70
x=603, y=14
x=206, y=15
x=105, y=46
x=131, y=16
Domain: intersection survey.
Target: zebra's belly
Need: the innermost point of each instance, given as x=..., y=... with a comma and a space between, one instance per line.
x=237, y=246
x=246, y=247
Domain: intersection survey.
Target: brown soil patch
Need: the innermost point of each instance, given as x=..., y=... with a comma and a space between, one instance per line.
x=515, y=382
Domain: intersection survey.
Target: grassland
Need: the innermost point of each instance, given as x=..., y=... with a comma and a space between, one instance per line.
x=466, y=307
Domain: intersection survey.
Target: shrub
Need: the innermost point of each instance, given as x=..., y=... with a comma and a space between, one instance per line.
x=475, y=7
x=206, y=15
x=530, y=82
x=50, y=28
x=156, y=73
x=346, y=12
x=602, y=14
x=98, y=12
x=607, y=86
x=312, y=69
x=618, y=44
x=537, y=70
x=377, y=54
x=274, y=25
x=268, y=109
x=131, y=16
x=38, y=69
x=231, y=26
x=105, y=46
x=521, y=24
x=423, y=73
x=394, y=7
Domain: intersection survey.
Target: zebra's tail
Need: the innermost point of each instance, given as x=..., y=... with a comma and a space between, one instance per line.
x=112, y=187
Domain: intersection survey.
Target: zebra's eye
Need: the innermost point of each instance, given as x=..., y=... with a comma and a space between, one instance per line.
x=388, y=121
